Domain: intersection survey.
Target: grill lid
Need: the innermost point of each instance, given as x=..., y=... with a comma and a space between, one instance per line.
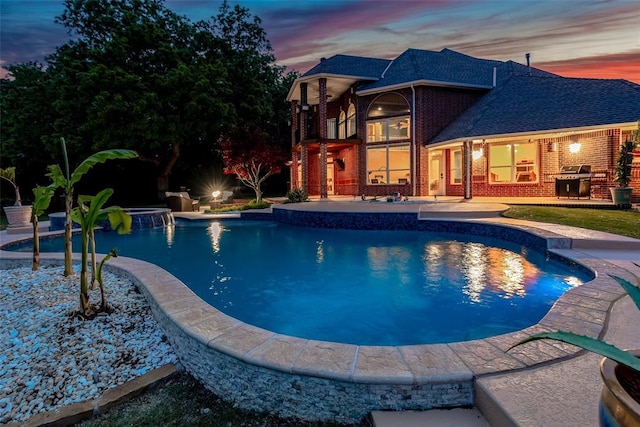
x=575, y=169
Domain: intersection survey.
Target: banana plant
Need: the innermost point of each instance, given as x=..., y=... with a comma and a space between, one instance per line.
x=88, y=214
x=66, y=180
x=595, y=345
x=41, y=201
x=104, y=306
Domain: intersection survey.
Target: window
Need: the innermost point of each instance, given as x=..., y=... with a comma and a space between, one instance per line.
x=388, y=122
x=388, y=164
x=388, y=119
x=342, y=126
x=388, y=105
x=455, y=173
x=393, y=129
x=351, y=120
x=513, y=163
x=331, y=128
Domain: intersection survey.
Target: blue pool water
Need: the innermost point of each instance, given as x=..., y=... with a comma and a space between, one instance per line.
x=352, y=286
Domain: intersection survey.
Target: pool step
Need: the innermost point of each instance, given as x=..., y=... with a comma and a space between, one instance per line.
x=456, y=417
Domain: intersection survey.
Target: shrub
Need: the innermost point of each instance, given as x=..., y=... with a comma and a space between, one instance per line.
x=254, y=204
x=297, y=195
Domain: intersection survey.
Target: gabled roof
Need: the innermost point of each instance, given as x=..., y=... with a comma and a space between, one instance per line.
x=532, y=104
x=414, y=66
x=352, y=66
x=341, y=72
x=445, y=68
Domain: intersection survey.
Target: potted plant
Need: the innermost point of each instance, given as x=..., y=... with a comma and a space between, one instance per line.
x=620, y=369
x=621, y=195
x=17, y=215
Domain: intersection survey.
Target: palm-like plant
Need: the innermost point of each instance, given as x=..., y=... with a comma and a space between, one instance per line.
x=89, y=212
x=103, y=300
x=41, y=201
x=68, y=179
x=9, y=175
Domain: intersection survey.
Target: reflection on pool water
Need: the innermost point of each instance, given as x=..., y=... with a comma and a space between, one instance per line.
x=353, y=286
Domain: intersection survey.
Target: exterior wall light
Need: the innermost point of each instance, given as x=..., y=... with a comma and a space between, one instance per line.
x=574, y=147
x=478, y=153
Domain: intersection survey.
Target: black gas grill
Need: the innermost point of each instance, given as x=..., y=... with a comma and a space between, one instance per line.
x=574, y=181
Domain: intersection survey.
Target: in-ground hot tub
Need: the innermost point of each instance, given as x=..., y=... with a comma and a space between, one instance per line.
x=141, y=218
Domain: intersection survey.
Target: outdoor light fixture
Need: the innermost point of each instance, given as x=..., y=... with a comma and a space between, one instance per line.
x=478, y=153
x=574, y=147
x=216, y=194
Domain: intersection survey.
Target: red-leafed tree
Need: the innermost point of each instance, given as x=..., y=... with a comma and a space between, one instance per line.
x=252, y=156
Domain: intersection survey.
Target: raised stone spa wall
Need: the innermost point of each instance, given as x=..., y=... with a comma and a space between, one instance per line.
x=140, y=218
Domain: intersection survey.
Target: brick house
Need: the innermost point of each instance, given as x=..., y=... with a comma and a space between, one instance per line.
x=444, y=123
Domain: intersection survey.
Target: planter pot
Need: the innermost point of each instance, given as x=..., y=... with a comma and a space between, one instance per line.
x=18, y=216
x=621, y=196
x=620, y=400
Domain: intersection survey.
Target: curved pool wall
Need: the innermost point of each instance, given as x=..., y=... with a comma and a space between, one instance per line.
x=316, y=380
x=140, y=218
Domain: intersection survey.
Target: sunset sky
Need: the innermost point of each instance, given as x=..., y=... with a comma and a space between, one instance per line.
x=573, y=38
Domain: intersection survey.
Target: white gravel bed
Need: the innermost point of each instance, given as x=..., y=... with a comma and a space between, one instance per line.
x=49, y=359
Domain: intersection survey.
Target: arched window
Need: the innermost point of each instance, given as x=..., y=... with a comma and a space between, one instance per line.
x=342, y=125
x=388, y=139
x=351, y=120
x=388, y=119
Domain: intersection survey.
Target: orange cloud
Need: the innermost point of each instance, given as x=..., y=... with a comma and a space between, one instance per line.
x=615, y=66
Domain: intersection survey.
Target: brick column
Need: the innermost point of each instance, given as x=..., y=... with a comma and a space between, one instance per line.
x=467, y=173
x=304, y=155
x=293, y=171
x=322, y=112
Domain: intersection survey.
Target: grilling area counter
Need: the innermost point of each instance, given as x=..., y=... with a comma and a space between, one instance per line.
x=574, y=181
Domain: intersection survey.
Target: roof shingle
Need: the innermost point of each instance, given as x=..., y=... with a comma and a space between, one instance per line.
x=530, y=103
x=347, y=65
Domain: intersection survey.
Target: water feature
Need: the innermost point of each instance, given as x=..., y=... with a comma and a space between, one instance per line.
x=141, y=218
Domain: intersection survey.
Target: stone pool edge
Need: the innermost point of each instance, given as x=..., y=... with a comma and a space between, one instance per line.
x=316, y=380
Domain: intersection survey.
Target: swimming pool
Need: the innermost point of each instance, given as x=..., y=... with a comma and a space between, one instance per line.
x=382, y=287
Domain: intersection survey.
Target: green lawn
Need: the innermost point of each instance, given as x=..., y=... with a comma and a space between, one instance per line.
x=624, y=223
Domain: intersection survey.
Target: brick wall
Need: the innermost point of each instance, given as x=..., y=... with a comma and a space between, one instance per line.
x=314, y=174
x=598, y=149
x=347, y=180
x=435, y=109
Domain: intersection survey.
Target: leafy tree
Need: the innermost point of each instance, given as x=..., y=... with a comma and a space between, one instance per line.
x=248, y=52
x=158, y=83
x=249, y=154
x=135, y=72
x=89, y=212
x=26, y=115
